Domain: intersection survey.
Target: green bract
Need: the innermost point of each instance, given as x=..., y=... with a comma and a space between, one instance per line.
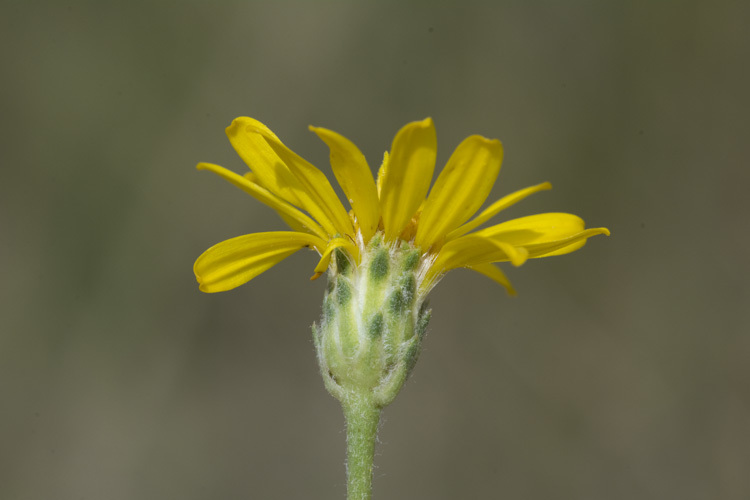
x=373, y=322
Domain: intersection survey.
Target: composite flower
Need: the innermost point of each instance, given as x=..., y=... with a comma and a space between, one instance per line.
x=382, y=254
x=398, y=208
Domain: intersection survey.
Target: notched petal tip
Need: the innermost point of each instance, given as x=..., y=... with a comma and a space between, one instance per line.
x=490, y=143
x=237, y=126
x=426, y=124
x=244, y=124
x=495, y=146
x=202, y=286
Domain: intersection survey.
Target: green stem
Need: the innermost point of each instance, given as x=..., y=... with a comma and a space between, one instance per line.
x=362, y=416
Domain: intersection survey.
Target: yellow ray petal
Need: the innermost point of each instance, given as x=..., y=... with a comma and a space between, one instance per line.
x=460, y=189
x=325, y=259
x=354, y=175
x=236, y=261
x=317, y=195
x=290, y=221
x=408, y=175
x=496, y=207
x=494, y=273
x=538, y=228
x=382, y=172
x=273, y=174
x=544, y=235
x=472, y=250
x=296, y=219
x=565, y=245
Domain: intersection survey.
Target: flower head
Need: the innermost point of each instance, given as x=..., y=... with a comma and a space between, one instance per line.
x=395, y=210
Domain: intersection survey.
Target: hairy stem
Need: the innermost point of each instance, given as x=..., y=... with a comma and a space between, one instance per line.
x=362, y=416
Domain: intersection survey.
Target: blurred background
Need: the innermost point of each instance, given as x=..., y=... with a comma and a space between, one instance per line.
x=619, y=372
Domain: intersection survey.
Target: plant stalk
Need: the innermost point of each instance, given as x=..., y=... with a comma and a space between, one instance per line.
x=362, y=417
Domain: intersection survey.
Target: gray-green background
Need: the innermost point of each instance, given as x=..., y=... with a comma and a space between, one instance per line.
x=619, y=372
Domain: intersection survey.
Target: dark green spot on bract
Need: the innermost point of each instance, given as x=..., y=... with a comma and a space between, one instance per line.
x=411, y=356
x=343, y=266
x=328, y=309
x=409, y=287
x=379, y=265
x=396, y=301
x=375, y=329
x=411, y=260
x=422, y=321
x=343, y=291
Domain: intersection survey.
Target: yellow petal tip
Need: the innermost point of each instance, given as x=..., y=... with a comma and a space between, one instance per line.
x=519, y=257
x=487, y=140
x=201, y=285
x=315, y=276
x=235, y=126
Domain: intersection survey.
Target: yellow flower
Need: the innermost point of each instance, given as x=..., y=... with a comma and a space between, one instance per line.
x=397, y=206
